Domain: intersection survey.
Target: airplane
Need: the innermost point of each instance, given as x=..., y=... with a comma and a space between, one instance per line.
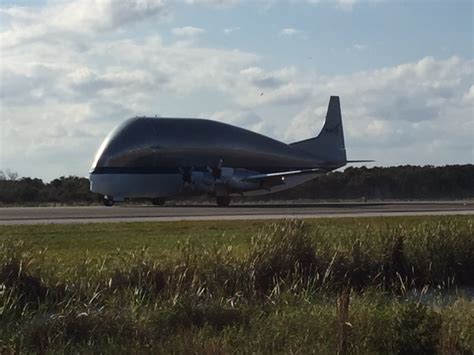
x=161, y=158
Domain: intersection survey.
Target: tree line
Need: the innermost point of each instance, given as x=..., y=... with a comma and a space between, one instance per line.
x=64, y=190
x=401, y=182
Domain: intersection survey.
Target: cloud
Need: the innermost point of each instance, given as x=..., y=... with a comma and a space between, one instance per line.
x=64, y=91
x=54, y=93
x=290, y=32
x=230, y=30
x=60, y=110
x=213, y=3
x=424, y=105
x=104, y=14
x=260, y=87
x=359, y=47
x=187, y=31
x=262, y=79
x=345, y=5
x=469, y=96
x=60, y=19
x=241, y=118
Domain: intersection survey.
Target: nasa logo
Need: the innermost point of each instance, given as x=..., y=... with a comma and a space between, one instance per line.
x=335, y=129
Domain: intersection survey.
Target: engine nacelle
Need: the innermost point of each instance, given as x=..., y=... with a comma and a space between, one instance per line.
x=242, y=186
x=203, y=181
x=236, y=182
x=231, y=180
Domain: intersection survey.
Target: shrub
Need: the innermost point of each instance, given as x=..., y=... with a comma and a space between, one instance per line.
x=187, y=314
x=417, y=329
x=28, y=289
x=73, y=326
x=285, y=250
x=145, y=277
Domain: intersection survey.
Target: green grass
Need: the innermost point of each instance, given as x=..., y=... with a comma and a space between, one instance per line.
x=71, y=241
x=368, y=285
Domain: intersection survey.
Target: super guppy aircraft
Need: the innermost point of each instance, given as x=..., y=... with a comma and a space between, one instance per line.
x=159, y=158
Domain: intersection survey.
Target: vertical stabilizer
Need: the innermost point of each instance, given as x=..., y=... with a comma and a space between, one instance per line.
x=329, y=144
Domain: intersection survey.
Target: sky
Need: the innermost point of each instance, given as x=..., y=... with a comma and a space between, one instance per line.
x=70, y=71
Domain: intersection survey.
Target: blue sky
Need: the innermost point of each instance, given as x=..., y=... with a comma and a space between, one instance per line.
x=71, y=71
x=392, y=32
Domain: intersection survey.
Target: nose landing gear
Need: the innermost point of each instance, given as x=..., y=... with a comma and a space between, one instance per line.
x=108, y=201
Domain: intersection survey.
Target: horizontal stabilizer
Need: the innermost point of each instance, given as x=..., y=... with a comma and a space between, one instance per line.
x=283, y=174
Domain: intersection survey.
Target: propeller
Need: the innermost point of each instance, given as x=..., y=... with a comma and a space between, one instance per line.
x=216, y=171
x=187, y=174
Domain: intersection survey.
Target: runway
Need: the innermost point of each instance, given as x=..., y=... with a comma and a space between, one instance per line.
x=133, y=213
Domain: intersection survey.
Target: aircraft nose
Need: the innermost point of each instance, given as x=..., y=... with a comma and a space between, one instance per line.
x=128, y=144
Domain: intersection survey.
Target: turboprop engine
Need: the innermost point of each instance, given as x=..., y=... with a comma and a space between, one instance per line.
x=221, y=181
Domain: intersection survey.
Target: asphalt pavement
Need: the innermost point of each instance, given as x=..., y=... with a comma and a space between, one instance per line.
x=130, y=213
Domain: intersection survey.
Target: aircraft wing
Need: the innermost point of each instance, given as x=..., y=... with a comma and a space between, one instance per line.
x=280, y=176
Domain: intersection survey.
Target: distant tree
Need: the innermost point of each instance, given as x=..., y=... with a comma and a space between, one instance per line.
x=400, y=182
x=8, y=175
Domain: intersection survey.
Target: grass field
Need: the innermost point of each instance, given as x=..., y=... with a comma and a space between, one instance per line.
x=367, y=285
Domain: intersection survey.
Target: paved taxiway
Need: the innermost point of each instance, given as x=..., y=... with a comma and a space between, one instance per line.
x=131, y=213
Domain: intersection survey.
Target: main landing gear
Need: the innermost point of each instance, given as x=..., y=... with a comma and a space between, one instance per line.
x=108, y=201
x=223, y=201
x=158, y=201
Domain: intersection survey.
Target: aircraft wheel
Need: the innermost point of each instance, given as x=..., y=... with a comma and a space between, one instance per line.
x=223, y=201
x=108, y=201
x=158, y=201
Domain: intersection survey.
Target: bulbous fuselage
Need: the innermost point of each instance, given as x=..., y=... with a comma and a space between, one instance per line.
x=167, y=145
x=164, y=157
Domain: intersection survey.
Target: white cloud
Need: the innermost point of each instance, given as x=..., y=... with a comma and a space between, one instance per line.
x=346, y=5
x=63, y=92
x=213, y=3
x=230, y=30
x=242, y=118
x=259, y=87
x=187, y=31
x=60, y=19
x=56, y=112
x=226, y=4
x=104, y=14
x=469, y=97
x=289, y=31
x=387, y=111
x=359, y=47
x=52, y=94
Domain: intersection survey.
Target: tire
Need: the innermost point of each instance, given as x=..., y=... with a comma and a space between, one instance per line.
x=158, y=201
x=223, y=201
x=108, y=201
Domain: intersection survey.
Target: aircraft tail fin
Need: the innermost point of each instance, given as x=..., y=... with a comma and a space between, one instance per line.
x=329, y=144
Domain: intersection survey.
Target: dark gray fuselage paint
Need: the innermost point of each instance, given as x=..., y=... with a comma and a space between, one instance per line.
x=165, y=145
x=165, y=157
